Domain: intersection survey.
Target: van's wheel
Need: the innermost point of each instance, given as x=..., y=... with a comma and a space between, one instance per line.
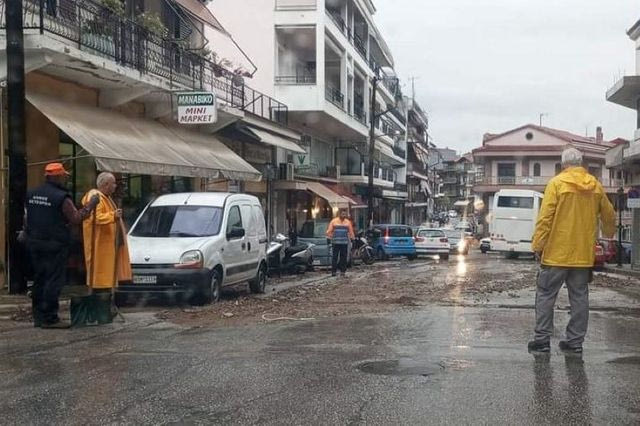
x=259, y=283
x=209, y=294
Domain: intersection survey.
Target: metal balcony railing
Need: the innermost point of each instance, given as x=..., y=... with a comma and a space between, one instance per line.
x=299, y=79
x=360, y=46
x=359, y=114
x=96, y=29
x=334, y=96
x=337, y=19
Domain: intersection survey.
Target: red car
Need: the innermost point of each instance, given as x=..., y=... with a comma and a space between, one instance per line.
x=601, y=256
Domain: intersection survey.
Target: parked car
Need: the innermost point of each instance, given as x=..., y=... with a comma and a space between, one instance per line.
x=432, y=241
x=610, y=246
x=452, y=213
x=485, y=245
x=601, y=257
x=196, y=243
x=458, y=241
x=315, y=232
x=464, y=225
x=393, y=240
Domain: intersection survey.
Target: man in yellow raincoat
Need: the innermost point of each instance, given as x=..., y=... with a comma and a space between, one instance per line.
x=564, y=240
x=105, y=244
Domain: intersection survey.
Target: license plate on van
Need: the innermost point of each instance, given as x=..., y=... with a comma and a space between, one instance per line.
x=145, y=279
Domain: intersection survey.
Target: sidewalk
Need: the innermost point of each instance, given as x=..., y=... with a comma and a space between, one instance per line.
x=18, y=306
x=622, y=270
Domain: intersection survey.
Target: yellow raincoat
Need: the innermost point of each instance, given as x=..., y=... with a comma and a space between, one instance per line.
x=110, y=247
x=567, y=225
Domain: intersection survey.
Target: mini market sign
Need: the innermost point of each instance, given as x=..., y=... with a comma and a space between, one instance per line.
x=197, y=108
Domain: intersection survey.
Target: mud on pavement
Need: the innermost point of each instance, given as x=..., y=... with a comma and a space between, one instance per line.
x=379, y=288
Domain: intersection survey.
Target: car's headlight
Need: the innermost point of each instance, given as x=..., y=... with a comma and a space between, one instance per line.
x=461, y=246
x=192, y=259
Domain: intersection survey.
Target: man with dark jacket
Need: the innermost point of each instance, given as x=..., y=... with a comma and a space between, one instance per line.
x=49, y=214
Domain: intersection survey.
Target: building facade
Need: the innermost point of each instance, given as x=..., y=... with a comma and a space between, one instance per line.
x=529, y=156
x=100, y=95
x=624, y=160
x=320, y=57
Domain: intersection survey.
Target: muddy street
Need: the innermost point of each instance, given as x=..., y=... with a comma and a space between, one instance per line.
x=421, y=342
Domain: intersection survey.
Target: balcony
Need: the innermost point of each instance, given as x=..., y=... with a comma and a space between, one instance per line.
x=300, y=79
x=399, y=151
x=334, y=96
x=95, y=29
x=295, y=4
x=417, y=168
x=625, y=92
x=337, y=19
x=359, y=114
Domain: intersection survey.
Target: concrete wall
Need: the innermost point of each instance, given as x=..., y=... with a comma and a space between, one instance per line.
x=519, y=138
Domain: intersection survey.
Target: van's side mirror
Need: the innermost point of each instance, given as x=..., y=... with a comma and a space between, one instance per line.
x=235, y=233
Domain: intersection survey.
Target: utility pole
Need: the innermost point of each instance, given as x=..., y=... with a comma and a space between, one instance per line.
x=372, y=145
x=16, y=142
x=620, y=207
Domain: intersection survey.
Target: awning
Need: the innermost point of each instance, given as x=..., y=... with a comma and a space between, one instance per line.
x=461, y=203
x=199, y=11
x=334, y=199
x=124, y=144
x=275, y=140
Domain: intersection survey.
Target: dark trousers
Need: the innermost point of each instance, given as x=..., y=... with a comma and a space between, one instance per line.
x=339, y=250
x=49, y=276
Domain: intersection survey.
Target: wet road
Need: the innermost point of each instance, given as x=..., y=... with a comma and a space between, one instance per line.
x=431, y=364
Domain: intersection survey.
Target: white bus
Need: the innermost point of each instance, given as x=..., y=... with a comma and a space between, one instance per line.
x=513, y=221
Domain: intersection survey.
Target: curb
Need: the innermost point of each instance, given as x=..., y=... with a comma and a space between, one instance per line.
x=621, y=271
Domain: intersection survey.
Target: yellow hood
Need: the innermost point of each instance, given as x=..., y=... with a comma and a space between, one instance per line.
x=578, y=177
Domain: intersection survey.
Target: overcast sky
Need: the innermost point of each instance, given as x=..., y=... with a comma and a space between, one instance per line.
x=493, y=65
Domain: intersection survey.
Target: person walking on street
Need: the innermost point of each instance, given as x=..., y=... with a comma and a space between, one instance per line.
x=340, y=232
x=564, y=241
x=106, y=253
x=49, y=214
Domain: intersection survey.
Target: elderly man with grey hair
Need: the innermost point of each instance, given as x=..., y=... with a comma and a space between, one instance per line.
x=573, y=208
x=105, y=251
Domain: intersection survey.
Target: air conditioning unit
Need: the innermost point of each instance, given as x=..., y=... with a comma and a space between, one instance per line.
x=287, y=171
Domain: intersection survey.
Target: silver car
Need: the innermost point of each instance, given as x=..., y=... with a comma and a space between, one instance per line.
x=315, y=232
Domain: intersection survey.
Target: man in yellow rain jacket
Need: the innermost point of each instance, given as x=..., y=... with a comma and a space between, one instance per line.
x=564, y=240
x=105, y=253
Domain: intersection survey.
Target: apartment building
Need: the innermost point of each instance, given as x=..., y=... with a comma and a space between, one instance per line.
x=623, y=159
x=100, y=95
x=320, y=57
x=420, y=202
x=529, y=156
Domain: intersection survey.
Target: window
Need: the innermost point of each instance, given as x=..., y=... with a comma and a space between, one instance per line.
x=506, y=169
x=400, y=231
x=234, y=220
x=516, y=202
x=536, y=169
x=431, y=233
x=314, y=229
x=178, y=221
x=596, y=172
x=558, y=168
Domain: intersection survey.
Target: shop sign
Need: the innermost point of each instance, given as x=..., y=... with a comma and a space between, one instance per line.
x=633, y=198
x=303, y=160
x=197, y=108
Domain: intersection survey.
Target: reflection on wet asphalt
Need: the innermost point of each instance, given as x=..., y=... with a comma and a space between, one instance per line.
x=425, y=365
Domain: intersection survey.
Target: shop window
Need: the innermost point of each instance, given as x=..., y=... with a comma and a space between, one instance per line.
x=81, y=166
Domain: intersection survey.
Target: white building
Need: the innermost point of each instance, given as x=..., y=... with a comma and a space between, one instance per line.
x=319, y=57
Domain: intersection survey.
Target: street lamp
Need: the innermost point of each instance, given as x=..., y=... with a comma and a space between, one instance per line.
x=620, y=207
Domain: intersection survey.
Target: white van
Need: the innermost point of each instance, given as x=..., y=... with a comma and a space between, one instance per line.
x=196, y=243
x=513, y=221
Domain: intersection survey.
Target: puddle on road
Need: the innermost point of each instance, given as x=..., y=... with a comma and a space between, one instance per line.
x=399, y=367
x=632, y=360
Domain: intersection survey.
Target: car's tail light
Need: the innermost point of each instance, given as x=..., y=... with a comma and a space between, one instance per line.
x=386, y=236
x=418, y=239
x=444, y=240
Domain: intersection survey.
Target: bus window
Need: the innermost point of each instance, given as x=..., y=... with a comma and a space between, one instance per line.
x=515, y=202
